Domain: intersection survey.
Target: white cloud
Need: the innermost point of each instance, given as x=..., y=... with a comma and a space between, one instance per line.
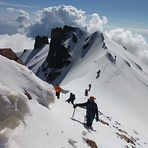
x=134, y=42
x=58, y=16
x=16, y=42
x=23, y=15
x=10, y=9
x=96, y=23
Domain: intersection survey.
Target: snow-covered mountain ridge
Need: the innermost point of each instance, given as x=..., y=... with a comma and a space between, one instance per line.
x=120, y=92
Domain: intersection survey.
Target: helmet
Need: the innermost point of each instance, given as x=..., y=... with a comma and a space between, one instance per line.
x=91, y=98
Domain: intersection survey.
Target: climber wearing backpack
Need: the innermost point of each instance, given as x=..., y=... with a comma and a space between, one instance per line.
x=71, y=98
x=91, y=110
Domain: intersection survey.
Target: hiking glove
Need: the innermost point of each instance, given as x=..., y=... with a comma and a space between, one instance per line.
x=75, y=105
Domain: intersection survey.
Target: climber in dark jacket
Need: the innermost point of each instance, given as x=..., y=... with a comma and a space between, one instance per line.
x=91, y=110
x=71, y=98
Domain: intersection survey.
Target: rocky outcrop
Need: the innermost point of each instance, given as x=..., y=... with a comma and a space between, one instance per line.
x=40, y=41
x=8, y=53
x=90, y=143
x=28, y=95
x=58, y=56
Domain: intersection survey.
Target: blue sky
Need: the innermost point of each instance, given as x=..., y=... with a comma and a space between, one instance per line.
x=130, y=14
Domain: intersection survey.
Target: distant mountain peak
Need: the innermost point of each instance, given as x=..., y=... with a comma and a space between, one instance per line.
x=68, y=45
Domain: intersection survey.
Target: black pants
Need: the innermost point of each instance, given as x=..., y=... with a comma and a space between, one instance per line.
x=89, y=120
x=58, y=95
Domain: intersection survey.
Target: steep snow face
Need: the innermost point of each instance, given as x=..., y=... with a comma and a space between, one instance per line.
x=19, y=78
x=33, y=59
x=86, y=52
x=122, y=84
x=128, y=74
x=61, y=55
x=79, y=50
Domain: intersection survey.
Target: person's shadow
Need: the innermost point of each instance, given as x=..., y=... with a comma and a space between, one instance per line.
x=85, y=125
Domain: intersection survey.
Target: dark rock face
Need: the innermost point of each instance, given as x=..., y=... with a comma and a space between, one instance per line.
x=58, y=56
x=8, y=53
x=40, y=41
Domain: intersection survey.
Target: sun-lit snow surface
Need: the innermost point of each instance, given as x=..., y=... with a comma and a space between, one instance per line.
x=120, y=91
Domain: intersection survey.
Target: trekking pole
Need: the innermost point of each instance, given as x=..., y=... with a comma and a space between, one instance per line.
x=73, y=112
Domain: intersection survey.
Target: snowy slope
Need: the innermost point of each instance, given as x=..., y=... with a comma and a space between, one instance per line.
x=24, y=54
x=117, y=81
x=120, y=91
x=19, y=78
x=33, y=59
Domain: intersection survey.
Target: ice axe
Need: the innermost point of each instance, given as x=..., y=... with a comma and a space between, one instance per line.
x=73, y=113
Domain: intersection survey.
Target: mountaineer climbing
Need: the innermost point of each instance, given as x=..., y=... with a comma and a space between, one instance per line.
x=58, y=89
x=91, y=110
x=71, y=98
x=98, y=74
x=89, y=87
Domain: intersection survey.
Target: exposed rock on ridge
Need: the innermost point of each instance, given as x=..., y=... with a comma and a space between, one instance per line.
x=58, y=56
x=8, y=53
x=40, y=41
